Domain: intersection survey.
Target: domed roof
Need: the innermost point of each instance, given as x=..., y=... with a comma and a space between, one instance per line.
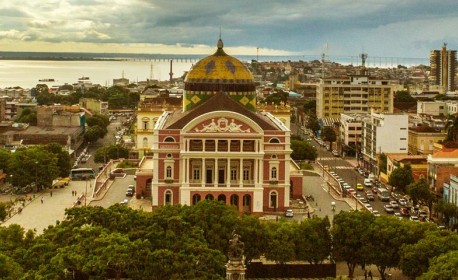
x=219, y=68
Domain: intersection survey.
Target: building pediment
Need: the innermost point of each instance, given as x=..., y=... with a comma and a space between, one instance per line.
x=222, y=124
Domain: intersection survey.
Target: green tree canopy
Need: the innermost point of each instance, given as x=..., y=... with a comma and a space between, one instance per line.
x=415, y=257
x=329, y=135
x=403, y=96
x=313, y=240
x=349, y=232
x=401, y=177
x=313, y=124
x=302, y=150
x=419, y=191
x=444, y=267
x=382, y=164
x=27, y=116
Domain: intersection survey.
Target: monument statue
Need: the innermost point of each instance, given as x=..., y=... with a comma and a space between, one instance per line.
x=236, y=247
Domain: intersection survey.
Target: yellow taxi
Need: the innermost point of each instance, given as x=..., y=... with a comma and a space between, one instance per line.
x=359, y=187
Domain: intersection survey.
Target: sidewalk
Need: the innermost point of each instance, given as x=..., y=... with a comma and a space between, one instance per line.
x=45, y=210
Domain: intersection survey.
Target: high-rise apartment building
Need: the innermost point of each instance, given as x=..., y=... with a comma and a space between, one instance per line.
x=443, y=68
x=353, y=94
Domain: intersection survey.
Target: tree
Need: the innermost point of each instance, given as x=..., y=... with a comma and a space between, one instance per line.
x=105, y=154
x=382, y=162
x=302, y=150
x=349, y=232
x=444, y=267
x=35, y=164
x=329, y=135
x=313, y=124
x=27, y=116
x=94, y=133
x=313, y=240
x=415, y=257
x=419, y=191
x=5, y=156
x=403, y=96
x=452, y=129
x=63, y=158
x=9, y=269
x=382, y=243
x=310, y=107
x=401, y=177
x=448, y=211
x=280, y=246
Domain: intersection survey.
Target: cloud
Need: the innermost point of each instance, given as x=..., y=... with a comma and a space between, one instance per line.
x=383, y=27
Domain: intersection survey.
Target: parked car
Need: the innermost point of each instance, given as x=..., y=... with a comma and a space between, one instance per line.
x=367, y=183
x=389, y=209
x=370, y=196
x=375, y=213
x=402, y=201
x=394, y=204
x=289, y=213
x=335, y=153
x=405, y=212
x=124, y=201
x=414, y=218
x=368, y=206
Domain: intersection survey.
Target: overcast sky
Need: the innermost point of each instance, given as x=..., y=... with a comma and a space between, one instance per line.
x=381, y=28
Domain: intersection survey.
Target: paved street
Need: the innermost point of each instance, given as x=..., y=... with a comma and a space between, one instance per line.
x=39, y=215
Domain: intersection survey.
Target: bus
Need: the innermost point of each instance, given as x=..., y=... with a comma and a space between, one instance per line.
x=82, y=174
x=383, y=194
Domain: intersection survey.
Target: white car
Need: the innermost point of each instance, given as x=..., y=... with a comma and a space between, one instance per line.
x=368, y=207
x=375, y=213
x=289, y=213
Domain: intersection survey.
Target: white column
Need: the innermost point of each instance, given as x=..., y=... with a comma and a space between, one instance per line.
x=186, y=170
x=203, y=173
x=183, y=170
x=241, y=173
x=215, y=175
x=256, y=175
x=228, y=173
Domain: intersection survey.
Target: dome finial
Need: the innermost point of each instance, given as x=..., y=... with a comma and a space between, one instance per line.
x=220, y=42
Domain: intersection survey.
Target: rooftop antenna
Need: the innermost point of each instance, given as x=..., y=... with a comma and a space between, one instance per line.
x=363, y=57
x=323, y=59
x=151, y=72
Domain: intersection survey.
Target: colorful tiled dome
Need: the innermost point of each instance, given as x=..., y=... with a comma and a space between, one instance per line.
x=219, y=73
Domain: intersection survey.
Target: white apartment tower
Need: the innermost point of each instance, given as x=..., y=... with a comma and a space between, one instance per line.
x=383, y=133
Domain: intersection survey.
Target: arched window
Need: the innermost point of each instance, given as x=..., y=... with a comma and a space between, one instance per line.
x=145, y=142
x=169, y=139
x=274, y=140
x=273, y=201
x=235, y=200
x=209, y=197
x=168, y=197
x=273, y=157
x=222, y=198
x=195, y=199
x=273, y=173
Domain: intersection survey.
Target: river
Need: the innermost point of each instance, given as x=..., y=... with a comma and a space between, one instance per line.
x=27, y=73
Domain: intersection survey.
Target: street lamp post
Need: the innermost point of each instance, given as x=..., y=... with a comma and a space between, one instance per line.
x=85, y=194
x=36, y=176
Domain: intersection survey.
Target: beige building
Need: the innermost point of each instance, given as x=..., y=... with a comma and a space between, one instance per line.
x=94, y=106
x=443, y=68
x=422, y=139
x=353, y=94
x=350, y=133
x=434, y=108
